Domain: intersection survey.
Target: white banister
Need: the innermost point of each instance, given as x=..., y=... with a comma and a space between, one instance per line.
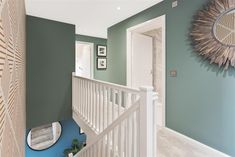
x=107, y=135
x=99, y=103
x=122, y=118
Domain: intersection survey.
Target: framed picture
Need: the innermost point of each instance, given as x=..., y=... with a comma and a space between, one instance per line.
x=101, y=63
x=101, y=51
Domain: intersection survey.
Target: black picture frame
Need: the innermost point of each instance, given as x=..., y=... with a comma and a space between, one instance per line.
x=98, y=63
x=101, y=50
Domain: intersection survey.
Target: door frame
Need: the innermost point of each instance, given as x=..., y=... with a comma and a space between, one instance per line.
x=158, y=22
x=92, y=56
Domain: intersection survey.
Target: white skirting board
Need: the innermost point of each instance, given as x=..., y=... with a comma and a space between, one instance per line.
x=196, y=147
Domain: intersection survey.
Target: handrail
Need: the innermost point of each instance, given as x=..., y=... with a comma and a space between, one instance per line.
x=121, y=87
x=113, y=125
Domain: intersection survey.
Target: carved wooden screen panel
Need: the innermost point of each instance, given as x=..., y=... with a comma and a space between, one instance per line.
x=12, y=78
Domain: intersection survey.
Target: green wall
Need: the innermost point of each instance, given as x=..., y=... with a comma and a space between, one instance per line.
x=50, y=63
x=200, y=100
x=98, y=74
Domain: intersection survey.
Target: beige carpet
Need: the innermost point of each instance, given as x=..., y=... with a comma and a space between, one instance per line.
x=170, y=144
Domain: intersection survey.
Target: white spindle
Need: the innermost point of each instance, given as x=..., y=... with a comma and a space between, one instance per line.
x=101, y=148
x=99, y=111
x=82, y=99
x=108, y=107
x=120, y=135
x=98, y=149
x=125, y=100
x=104, y=107
x=127, y=137
x=95, y=106
x=108, y=144
x=92, y=102
x=80, y=96
x=119, y=102
x=133, y=135
x=86, y=98
x=113, y=141
x=74, y=91
x=113, y=104
x=88, y=102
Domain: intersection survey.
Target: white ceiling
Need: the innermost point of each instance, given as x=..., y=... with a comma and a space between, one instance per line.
x=91, y=17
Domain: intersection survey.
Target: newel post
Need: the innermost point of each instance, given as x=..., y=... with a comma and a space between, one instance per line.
x=146, y=122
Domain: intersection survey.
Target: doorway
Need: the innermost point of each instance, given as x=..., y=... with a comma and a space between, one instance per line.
x=146, y=55
x=84, y=59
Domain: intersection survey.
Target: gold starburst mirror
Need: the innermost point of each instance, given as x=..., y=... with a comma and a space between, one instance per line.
x=224, y=28
x=213, y=32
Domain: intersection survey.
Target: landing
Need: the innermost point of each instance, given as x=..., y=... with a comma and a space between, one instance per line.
x=171, y=144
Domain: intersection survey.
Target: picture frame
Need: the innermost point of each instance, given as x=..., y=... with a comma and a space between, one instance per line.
x=101, y=63
x=101, y=50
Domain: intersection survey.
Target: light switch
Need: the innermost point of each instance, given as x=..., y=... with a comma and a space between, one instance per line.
x=173, y=73
x=174, y=4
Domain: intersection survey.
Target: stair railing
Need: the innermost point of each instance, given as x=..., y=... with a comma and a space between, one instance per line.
x=122, y=117
x=99, y=103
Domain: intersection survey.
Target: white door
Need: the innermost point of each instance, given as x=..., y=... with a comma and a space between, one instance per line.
x=142, y=51
x=84, y=59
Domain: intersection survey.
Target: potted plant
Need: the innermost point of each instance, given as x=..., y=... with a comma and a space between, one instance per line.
x=75, y=147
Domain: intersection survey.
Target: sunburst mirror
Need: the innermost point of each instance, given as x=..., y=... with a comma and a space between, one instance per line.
x=213, y=32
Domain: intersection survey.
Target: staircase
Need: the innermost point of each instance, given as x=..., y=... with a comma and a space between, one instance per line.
x=118, y=121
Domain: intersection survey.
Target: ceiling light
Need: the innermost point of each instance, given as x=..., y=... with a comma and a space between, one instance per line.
x=118, y=8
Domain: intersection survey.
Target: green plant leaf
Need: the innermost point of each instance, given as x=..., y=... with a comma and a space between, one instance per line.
x=67, y=151
x=75, y=142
